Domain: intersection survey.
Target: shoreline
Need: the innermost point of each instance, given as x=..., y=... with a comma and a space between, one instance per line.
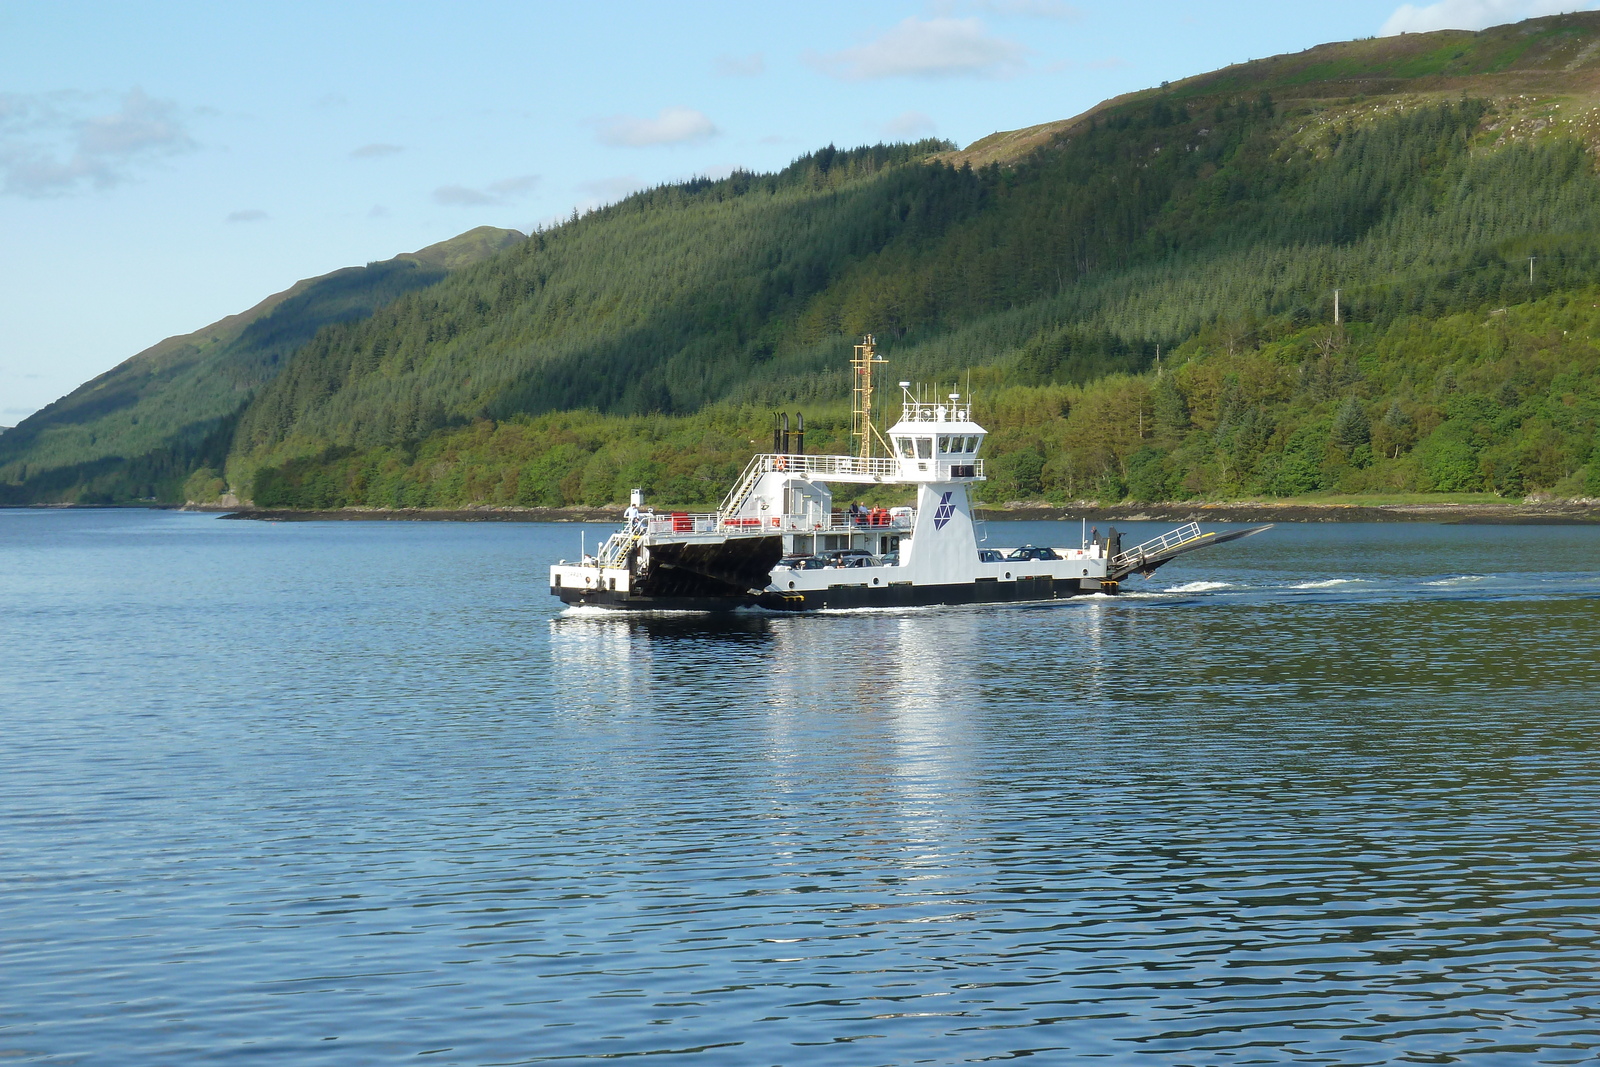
x=605, y=514
x=1546, y=513
x=1518, y=513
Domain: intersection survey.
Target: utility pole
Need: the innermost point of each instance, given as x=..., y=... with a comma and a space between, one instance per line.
x=1530, y=269
x=1336, y=307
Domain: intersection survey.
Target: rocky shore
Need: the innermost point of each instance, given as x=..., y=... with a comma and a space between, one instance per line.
x=1552, y=512
x=1509, y=512
x=606, y=514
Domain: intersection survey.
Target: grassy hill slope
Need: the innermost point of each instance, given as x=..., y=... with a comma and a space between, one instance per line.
x=1542, y=69
x=141, y=428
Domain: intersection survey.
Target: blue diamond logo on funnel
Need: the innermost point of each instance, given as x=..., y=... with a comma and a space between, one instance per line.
x=944, y=512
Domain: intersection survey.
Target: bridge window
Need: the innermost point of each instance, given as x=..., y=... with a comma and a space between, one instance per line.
x=924, y=448
x=904, y=444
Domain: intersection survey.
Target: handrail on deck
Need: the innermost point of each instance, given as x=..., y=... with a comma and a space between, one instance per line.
x=683, y=522
x=873, y=467
x=825, y=466
x=1170, y=539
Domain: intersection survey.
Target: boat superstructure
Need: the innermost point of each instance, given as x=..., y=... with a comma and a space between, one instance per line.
x=780, y=540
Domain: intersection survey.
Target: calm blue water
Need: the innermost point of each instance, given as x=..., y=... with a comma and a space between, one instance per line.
x=357, y=793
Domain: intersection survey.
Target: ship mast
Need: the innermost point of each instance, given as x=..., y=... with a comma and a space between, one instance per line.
x=861, y=414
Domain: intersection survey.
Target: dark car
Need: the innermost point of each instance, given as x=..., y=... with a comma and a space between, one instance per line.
x=990, y=555
x=1032, y=552
x=851, y=557
x=804, y=563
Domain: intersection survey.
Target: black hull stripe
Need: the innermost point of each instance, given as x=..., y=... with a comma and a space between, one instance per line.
x=894, y=596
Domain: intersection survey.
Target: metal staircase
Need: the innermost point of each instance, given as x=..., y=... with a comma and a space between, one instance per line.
x=614, y=553
x=745, y=486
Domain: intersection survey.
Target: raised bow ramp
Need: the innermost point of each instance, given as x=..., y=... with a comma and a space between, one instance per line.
x=1145, y=558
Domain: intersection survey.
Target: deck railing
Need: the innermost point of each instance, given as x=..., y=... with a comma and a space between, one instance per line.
x=684, y=522
x=825, y=467
x=934, y=411
x=850, y=466
x=1171, y=539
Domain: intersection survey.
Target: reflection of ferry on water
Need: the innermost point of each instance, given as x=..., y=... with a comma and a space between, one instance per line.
x=778, y=541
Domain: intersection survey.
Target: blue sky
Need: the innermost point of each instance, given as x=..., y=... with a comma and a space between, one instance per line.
x=163, y=165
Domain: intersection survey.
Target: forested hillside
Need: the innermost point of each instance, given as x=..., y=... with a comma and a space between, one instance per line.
x=142, y=428
x=1504, y=401
x=1141, y=299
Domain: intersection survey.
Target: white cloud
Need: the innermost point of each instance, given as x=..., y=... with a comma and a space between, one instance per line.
x=248, y=215
x=672, y=125
x=500, y=192
x=376, y=151
x=1037, y=9
x=910, y=124
x=741, y=66
x=52, y=144
x=1472, y=14
x=926, y=48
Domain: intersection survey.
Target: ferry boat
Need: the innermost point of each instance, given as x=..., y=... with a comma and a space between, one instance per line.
x=779, y=542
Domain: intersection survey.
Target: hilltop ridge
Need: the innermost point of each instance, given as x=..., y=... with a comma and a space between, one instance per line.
x=1556, y=57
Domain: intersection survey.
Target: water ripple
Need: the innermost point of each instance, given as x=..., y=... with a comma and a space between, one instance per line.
x=346, y=793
